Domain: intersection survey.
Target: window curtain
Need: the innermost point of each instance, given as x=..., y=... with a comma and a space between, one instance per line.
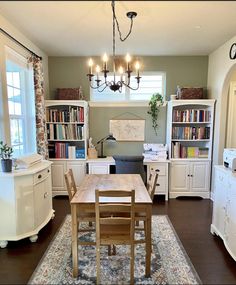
x=41, y=132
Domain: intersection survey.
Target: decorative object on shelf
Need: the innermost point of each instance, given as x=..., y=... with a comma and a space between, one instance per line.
x=189, y=92
x=155, y=102
x=5, y=154
x=70, y=94
x=101, y=141
x=115, y=85
x=92, y=152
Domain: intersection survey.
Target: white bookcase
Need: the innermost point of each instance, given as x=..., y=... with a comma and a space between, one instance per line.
x=189, y=137
x=67, y=131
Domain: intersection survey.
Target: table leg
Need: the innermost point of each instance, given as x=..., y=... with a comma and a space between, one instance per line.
x=74, y=237
x=148, y=240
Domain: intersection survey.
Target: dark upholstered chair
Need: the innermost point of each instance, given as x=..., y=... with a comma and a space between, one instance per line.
x=126, y=164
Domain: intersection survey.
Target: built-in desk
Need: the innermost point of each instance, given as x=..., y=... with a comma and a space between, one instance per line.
x=102, y=166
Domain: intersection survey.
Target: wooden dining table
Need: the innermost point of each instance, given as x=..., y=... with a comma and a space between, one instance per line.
x=84, y=201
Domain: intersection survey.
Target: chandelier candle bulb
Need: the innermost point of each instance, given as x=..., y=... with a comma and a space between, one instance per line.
x=137, y=66
x=90, y=63
x=97, y=70
x=105, y=59
x=128, y=59
x=121, y=71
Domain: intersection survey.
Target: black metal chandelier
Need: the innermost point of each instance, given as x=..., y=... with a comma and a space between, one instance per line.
x=118, y=80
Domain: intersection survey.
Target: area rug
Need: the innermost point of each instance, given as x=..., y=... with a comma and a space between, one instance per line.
x=169, y=265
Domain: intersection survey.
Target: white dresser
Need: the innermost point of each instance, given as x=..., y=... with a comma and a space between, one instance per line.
x=25, y=202
x=224, y=208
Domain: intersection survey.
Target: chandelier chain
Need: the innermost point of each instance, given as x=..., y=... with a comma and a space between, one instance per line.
x=117, y=23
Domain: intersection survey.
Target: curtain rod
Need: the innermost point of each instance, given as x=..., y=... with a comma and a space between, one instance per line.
x=19, y=43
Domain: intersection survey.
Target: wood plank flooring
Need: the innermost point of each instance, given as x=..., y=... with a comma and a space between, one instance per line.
x=191, y=219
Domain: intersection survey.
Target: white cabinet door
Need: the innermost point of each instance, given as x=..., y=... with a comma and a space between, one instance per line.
x=230, y=230
x=58, y=170
x=79, y=170
x=180, y=176
x=199, y=176
x=219, y=208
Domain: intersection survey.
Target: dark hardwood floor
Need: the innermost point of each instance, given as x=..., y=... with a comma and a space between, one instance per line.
x=191, y=219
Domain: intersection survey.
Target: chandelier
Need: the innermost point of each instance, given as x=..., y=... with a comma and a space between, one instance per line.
x=119, y=79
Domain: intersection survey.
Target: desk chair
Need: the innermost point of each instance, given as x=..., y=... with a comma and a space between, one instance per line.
x=112, y=226
x=130, y=165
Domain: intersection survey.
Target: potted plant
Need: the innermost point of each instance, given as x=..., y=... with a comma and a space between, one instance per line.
x=5, y=154
x=155, y=102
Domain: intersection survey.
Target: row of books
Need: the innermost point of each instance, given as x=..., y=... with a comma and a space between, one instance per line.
x=65, y=150
x=180, y=151
x=65, y=132
x=72, y=114
x=191, y=115
x=190, y=133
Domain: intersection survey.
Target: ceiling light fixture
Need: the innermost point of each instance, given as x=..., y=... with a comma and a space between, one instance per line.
x=118, y=80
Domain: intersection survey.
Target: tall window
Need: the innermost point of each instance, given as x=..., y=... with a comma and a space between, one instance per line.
x=20, y=98
x=151, y=82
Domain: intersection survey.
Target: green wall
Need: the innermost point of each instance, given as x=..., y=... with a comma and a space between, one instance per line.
x=180, y=70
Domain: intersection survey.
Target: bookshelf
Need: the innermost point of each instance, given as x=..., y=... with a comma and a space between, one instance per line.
x=67, y=134
x=189, y=137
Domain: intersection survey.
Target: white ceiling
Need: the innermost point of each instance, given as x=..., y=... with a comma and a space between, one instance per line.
x=73, y=28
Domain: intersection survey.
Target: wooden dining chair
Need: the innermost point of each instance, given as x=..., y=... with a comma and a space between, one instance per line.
x=112, y=226
x=82, y=217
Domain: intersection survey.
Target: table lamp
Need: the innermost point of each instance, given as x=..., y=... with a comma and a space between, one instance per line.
x=101, y=141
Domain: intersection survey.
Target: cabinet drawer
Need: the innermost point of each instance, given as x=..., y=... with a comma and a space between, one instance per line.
x=160, y=167
x=41, y=175
x=161, y=185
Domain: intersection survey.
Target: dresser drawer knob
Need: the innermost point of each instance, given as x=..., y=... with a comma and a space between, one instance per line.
x=158, y=184
x=39, y=176
x=48, y=170
x=45, y=195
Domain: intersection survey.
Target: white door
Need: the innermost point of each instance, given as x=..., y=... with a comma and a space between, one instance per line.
x=58, y=170
x=200, y=178
x=79, y=170
x=180, y=175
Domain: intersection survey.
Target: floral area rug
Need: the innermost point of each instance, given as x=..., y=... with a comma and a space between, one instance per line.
x=169, y=264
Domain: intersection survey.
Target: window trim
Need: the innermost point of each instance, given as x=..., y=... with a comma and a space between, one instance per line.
x=129, y=103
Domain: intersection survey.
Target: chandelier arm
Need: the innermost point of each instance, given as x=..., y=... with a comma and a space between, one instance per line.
x=117, y=23
x=127, y=85
x=96, y=87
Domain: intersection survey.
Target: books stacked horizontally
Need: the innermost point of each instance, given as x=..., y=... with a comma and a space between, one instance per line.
x=180, y=151
x=155, y=151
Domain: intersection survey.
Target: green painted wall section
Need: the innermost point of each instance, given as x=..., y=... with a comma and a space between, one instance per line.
x=180, y=70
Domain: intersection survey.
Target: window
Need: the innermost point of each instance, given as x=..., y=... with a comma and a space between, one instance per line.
x=20, y=101
x=151, y=82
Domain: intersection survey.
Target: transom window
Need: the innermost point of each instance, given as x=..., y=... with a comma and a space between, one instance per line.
x=150, y=83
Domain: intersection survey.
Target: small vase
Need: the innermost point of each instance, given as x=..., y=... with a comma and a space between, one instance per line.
x=6, y=165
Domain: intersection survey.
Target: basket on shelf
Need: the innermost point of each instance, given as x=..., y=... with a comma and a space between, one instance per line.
x=189, y=92
x=70, y=94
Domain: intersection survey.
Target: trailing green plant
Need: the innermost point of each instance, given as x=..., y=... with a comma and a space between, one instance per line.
x=155, y=102
x=5, y=151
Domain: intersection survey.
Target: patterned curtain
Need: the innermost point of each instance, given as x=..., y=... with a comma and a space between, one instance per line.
x=41, y=133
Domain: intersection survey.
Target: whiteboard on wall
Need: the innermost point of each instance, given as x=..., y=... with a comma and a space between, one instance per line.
x=128, y=130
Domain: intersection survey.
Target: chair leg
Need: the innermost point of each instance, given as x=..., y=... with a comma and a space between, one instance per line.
x=137, y=223
x=98, y=264
x=132, y=264
x=109, y=250
x=113, y=249
x=90, y=224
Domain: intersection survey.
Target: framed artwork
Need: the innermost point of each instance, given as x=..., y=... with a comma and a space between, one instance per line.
x=128, y=130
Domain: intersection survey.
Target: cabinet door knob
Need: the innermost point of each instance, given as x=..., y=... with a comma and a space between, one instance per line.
x=191, y=175
x=188, y=175
x=157, y=184
x=39, y=176
x=45, y=194
x=48, y=170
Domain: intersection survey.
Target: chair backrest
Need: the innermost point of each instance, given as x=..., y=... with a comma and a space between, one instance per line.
x=114, y=214
x=126, y=164
x=152, y=182
x=70, y=183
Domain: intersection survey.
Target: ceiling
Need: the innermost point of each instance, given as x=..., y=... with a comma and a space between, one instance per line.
x=82, y=28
